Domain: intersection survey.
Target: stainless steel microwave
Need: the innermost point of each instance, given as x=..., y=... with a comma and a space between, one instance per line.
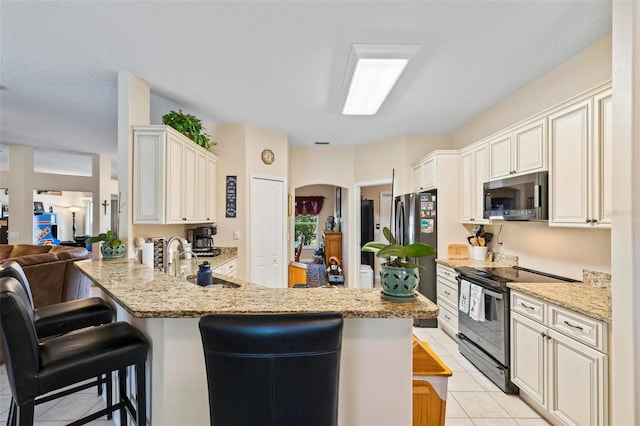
x=517, y=198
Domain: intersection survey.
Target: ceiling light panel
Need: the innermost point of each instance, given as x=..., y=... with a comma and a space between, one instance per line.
x=372, y=72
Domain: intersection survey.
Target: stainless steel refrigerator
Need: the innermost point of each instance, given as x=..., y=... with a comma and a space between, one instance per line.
x=416, y=220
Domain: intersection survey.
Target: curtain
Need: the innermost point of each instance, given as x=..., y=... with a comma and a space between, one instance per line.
x=308, y=206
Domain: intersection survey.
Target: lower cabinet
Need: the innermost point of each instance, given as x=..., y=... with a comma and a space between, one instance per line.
x=559, y=361
x=229, y=269
x=447, y=291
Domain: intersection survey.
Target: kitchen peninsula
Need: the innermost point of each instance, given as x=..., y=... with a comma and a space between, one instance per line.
x=375, y=370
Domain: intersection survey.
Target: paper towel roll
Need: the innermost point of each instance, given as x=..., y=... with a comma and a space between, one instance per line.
x=147, y=254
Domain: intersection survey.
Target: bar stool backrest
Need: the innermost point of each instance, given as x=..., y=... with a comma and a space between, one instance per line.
x=19, y=338
x=11, y=268
x=272, y=369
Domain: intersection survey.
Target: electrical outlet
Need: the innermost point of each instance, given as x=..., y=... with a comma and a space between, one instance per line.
x=236, y=234
x=501, y=246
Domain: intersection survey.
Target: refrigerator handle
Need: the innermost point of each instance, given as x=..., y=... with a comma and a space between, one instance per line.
x=400, y=223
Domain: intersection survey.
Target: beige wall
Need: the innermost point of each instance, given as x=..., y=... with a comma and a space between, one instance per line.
x=239, y=149
x=580, y=73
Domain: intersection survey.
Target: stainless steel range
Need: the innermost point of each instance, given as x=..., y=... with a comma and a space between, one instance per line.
x=483, y=317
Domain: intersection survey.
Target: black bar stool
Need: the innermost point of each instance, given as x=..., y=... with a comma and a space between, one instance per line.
x=36, y=368
x=63, y=317
x=273, y=369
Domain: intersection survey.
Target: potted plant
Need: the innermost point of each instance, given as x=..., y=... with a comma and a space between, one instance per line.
x=190, y=126
x=399, y=278
x=112, y=247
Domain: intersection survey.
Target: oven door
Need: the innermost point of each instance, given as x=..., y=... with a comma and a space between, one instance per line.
x=492, y=334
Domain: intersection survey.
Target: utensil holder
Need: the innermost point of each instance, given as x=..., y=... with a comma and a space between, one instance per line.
x=478, y=252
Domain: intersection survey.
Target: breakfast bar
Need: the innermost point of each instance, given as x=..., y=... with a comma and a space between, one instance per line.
x=375, y=369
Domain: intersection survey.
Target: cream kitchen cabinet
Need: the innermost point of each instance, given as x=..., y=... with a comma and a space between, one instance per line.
x=174, y=180
x=519, y=151
x=447, y=295
x=580, y=163
x=559, y=361
x=438, y=165
x=229, y=269
x=473, y=174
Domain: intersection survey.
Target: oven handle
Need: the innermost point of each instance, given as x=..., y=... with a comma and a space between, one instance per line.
x=484, y=289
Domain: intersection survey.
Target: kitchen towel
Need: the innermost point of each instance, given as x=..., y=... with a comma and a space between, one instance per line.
x=463, y=305
x=147, y=254
x=476, y=303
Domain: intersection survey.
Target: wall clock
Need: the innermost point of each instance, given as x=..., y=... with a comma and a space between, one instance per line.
x=268, y=156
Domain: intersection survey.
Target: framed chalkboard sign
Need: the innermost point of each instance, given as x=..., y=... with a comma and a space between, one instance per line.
x=231, y=190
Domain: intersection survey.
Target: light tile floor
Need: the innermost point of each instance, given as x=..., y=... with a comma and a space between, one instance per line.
x=472, y=398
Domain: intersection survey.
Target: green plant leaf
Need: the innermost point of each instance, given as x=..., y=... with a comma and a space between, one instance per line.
x=388, y=235
x=411, y=265
x=373, y=246
x=419, y=250
x=393, y=250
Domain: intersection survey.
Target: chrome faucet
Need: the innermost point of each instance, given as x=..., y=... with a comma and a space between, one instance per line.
x=195, y=256
x=165, y=257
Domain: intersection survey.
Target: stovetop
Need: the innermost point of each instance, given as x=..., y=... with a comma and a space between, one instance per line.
x=498, y=277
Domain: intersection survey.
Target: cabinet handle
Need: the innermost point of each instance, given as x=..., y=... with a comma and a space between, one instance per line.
x=447, y=317
x=574, y=326
x=594, y=221
x=527, y=307
x=447, y=293
x=543, y=334
x=548, y=337
x=588, y=221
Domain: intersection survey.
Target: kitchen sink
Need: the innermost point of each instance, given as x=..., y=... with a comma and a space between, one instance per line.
x=217, y=283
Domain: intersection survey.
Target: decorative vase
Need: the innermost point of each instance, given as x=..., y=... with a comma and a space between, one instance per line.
x=399, y=284
x=111, y=252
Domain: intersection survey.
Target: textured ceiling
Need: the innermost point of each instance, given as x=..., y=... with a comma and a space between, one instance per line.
x=275, y=64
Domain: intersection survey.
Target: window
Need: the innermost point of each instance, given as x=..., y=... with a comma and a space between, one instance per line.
x=307, y=225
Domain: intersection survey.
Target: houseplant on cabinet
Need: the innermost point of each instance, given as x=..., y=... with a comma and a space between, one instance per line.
x=399, y=278
x=190, y=126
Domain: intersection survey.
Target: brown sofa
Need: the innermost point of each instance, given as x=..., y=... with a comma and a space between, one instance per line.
x=52, y=276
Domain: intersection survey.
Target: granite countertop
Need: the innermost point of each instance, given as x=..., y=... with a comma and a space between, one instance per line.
x=594, y=302
x=591, y=300
x=146, y=293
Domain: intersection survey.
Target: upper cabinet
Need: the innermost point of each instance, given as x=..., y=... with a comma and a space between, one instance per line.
x=520, y=151
x=427, y=171
x=580, y=163
x=174, y=179
x=473, y=174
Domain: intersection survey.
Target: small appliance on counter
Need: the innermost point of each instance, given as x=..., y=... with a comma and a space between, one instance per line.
x=201, y=240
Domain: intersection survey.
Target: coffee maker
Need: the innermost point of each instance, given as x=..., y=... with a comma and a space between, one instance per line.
x=201, y=240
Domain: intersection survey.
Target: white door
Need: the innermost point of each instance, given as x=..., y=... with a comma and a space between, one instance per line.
x=267, y=245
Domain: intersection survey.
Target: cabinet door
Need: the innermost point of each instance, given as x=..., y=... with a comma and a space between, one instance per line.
x=500, y=157
x=429, y=173
x=148, y=177
x=190, y=182
x=528, y=367
x=175, y=176
x=416, y=178
x=601, y=182
x=201, y=188
x=577, y=378
x=530, y=148
x=481, y=175
x=211, y=189
x=466, y=183
x=333, y=246
x=569, y=139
